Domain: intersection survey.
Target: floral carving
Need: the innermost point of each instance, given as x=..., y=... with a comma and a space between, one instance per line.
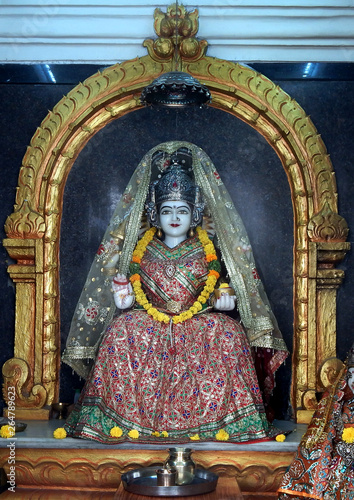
x=176, y=30
x=327, y=226
x=25, y=223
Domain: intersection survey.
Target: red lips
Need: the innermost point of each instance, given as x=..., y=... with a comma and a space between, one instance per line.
x=175, y=225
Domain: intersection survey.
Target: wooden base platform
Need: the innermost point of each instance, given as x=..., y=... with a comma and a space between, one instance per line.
x=73, y=468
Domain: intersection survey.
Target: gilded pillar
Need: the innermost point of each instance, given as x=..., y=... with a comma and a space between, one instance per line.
x=327, y=248
x=24, y=370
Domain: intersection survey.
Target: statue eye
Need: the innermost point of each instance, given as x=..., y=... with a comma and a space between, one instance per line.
x=183, y=210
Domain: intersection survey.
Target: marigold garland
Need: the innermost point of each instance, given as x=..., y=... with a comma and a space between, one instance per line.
x=213, y=275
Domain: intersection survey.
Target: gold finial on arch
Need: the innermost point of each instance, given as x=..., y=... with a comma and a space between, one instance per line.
x=176, y=30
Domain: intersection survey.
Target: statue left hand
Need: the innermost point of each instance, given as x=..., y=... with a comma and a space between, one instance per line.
x=225, y=303
x=123, y=292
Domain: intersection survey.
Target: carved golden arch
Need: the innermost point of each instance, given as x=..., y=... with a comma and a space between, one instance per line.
x=33, y=229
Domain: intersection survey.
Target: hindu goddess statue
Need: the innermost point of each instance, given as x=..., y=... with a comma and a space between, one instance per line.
x=171, y=366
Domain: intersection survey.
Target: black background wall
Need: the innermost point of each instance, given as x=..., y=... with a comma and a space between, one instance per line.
x=248, y=165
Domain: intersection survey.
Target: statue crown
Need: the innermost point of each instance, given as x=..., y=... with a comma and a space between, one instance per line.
x=175, y=184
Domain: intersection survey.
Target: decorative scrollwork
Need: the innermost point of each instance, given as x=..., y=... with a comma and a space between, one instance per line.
x=329, y=371
x=309, y=400
x=16, y=374
x=101, y=469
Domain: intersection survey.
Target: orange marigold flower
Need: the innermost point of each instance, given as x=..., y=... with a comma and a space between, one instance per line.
x=212, y=272
x=135, y=277
x=136, y=259
x=210, y=257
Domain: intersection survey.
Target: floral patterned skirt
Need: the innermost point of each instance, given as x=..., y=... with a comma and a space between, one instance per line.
x=194, y=378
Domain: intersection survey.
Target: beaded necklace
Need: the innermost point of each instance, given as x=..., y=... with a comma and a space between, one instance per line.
x=213, y=275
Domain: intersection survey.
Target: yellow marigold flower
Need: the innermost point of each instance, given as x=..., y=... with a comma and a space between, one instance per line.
x=280, y=438
x=222, y=435
x=347, y=435
x=164, y=434
x=198, y=305
x=59, y=433
x=195, y=437
x=134, y=434
x=203, y=236
x=7, y=431
x=156, y=434
x=147, y=306
x=200, y=230
x=202, y=299
x=209, y=248
x=150, y=232
x=116, y=432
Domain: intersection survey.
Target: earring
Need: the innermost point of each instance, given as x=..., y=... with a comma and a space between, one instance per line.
x=159, y=233
x=191, y=232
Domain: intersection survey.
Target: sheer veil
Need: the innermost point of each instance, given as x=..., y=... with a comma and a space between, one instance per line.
x=96, y=307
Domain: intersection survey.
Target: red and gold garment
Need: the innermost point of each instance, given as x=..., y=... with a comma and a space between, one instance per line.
x=321, y=471
x=195, y=377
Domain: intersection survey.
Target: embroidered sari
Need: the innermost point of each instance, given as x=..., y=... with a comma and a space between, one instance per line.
x=195, y=377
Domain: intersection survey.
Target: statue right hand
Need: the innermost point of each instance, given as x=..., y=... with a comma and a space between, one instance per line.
x=123, y=292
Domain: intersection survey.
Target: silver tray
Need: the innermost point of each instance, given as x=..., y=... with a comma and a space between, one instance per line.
x=144, y=482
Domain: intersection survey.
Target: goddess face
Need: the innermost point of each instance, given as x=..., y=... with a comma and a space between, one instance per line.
x=175, y=218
